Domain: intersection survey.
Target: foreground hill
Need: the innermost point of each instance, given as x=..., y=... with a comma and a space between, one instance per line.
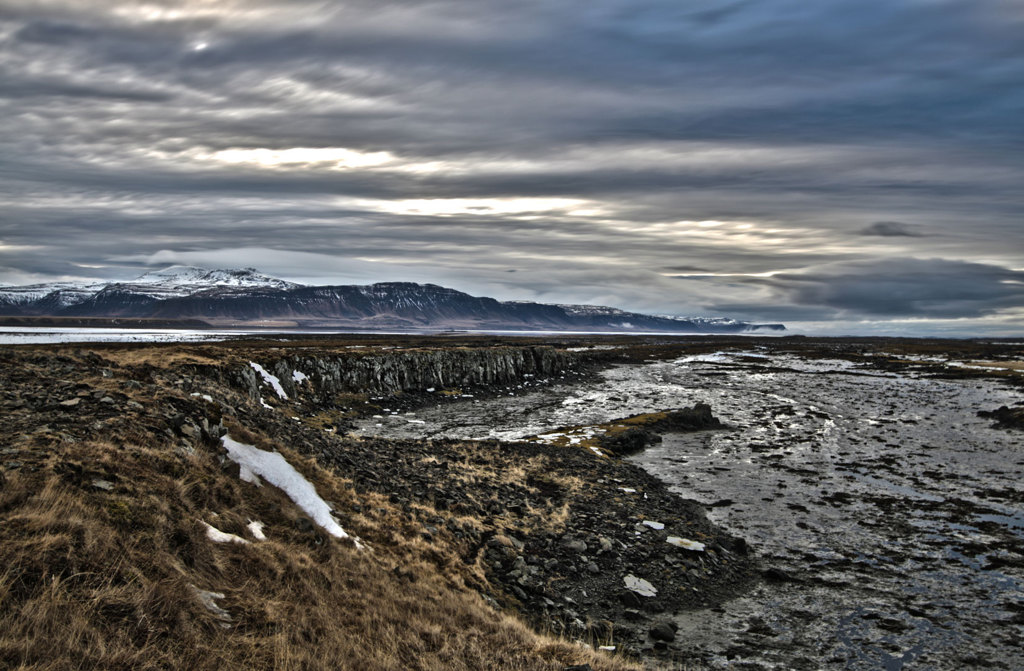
x=246, y=297
x=202, y=507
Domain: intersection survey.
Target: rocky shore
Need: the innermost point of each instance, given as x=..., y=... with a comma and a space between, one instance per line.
x=563, y=537
x=562, y=532
x=585, y=547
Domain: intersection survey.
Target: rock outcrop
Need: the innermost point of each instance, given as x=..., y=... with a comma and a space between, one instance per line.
x=1005, y=417
x=412, y=370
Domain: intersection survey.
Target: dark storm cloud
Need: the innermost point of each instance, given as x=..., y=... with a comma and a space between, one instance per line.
x=891, y=229
x=783, y=125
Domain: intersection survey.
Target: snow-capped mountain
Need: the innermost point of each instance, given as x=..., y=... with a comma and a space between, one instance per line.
x=190, y=277
x=174, y=281
x=246, y=298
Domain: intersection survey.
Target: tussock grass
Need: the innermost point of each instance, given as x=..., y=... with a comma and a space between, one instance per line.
x=106, y=579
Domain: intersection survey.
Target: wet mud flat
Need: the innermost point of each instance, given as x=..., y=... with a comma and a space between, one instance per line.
x=887, y=516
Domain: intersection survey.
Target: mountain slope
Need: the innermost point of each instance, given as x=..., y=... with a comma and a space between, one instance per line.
x=247, y=297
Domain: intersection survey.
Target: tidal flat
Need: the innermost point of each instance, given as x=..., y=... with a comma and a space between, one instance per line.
x=886, y=514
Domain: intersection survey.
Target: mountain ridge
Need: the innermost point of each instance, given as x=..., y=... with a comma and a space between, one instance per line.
x=246, y=297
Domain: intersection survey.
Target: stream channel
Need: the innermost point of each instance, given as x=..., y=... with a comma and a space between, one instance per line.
x=890, y=515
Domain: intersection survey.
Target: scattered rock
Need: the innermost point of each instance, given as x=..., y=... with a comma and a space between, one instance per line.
x=778, y=575
x=697, y=418
x=1005, y=417
x=664, y=631
x=628, y=441
x=630, y=599
x=574, y=545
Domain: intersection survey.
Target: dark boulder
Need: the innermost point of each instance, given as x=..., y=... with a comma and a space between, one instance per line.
x=629, y=441
x=664, y=631
x=697, y=418
x=1005, y=417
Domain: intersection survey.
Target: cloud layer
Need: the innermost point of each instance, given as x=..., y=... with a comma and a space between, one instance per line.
x=835, y=160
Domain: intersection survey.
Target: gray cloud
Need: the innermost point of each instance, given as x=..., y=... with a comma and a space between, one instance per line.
x=894, y=288
x=891, y=229
x=716, y=139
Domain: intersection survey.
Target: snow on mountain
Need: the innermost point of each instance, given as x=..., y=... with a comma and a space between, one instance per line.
x=700, y=320
x=172, y=282
x=172, y=275
x=201, y=278
x=60, y=293
x=593, y=310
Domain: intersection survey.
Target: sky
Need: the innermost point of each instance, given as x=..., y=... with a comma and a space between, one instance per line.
x=839, y=166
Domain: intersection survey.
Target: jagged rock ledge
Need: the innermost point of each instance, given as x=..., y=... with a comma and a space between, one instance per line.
x=407, y=370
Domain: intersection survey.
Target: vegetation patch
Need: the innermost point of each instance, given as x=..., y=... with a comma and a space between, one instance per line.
x=631, y=434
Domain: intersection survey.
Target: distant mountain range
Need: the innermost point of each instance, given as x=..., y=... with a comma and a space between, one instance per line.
x=247, y=298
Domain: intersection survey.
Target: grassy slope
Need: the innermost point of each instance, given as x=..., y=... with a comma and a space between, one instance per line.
x=96, y=578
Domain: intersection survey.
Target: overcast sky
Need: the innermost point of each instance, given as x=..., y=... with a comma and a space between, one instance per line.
x=837, y=165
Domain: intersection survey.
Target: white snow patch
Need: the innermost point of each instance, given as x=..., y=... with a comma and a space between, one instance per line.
x=685, y=543
x=299, y=376
x=218, y=536
x=205, y=397
x=639, y=585
x=975, y=365
x=628, y=490
x=715, y=357
x=596, y=451
x=266, y=405
x=272, y=380
x=273, y=468
x=209, y=601
x=657, y=526
x=255, y=527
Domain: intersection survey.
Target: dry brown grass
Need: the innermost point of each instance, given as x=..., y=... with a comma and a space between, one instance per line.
x=97, y=579
x=162, y=356
x=587, y=436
